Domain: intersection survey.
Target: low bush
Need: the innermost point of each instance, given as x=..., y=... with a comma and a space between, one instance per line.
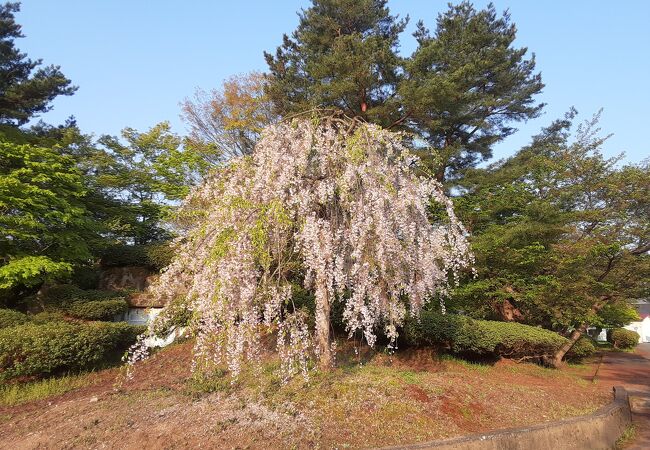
x=461, y=334
x=60, y=294
x=622, y=338
x=32, y=351
x=94, y=294
x=154, y=256
x=90, y=304
x=47, y=317
x=125, y=255
x=12, y=318
x=86, y=277
x=583, y=348
x=98, y=309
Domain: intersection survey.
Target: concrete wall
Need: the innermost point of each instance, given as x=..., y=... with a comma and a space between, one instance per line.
x=599, y=430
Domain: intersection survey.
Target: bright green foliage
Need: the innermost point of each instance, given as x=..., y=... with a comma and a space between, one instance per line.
x=11, y=318
x=561, y=234
x=467, y=83
x=583, y=348
x=24, y=91
x=98, y=309
x=622, y=338
x=616, y=315
x=56, y=347
x=341, y=56
x=30, y=271
x=144, y=175
x=463, y=334
x=43, y=221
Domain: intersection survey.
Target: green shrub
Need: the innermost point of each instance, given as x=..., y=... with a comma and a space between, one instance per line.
x=94, y=294
x=622, y=338
x=154, y=256
x=125, y=255
x=86, y=277
x=60, y=294
x=68, y=298
x=583, y=348
x=461, y=334
x=41, y=350
x=47, y=317
x=12, y=318
x=98, y=309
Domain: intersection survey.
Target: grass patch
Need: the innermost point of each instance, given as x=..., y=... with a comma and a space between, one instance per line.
x=16, y=394
x=482, y=368
x=200, y=384
x=625, y=438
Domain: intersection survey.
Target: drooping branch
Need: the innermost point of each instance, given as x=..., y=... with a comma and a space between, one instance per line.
x=339, y=199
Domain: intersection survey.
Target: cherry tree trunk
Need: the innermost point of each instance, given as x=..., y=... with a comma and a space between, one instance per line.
x=323, y=330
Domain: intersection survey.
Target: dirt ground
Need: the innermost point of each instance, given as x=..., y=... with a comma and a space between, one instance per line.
x=385, y=401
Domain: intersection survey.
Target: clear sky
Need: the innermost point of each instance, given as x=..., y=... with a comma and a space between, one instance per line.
x=135, y=60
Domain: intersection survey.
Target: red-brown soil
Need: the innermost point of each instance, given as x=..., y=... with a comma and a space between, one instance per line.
x=632, y=371
x=378, y=400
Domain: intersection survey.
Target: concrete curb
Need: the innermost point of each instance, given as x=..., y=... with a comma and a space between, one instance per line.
x=599, y=430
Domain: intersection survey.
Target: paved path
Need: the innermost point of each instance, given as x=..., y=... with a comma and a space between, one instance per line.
x=632, y=371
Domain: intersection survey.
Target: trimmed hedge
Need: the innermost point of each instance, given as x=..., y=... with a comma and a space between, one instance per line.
x=47, y=317
x=98, y=309
x=622, y=338
x=62, y=293
x=41, y=350
x=90, y=304
x=583, y=348
x=12, y=318
x=463, y=334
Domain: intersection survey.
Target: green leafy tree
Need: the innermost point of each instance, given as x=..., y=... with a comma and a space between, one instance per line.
x=466, y=84
x=342, y=56
x=25, y=88
x=560, y=233
x=144, y=174
x=43, y=221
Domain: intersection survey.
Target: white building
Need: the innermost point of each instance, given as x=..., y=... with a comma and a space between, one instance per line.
x=642, y=327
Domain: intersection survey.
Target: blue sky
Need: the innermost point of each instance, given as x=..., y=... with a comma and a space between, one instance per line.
x=134, y=61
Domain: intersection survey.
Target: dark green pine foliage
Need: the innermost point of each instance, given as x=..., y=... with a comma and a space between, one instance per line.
x=343, y=56
x=467, y=84
x=25, y=88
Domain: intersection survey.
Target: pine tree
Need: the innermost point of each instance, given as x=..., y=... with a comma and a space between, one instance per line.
x=25, y=89
x=343, y=56
x=466, y=84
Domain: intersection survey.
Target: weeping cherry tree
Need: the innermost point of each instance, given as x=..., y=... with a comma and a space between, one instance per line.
x=334, y=203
